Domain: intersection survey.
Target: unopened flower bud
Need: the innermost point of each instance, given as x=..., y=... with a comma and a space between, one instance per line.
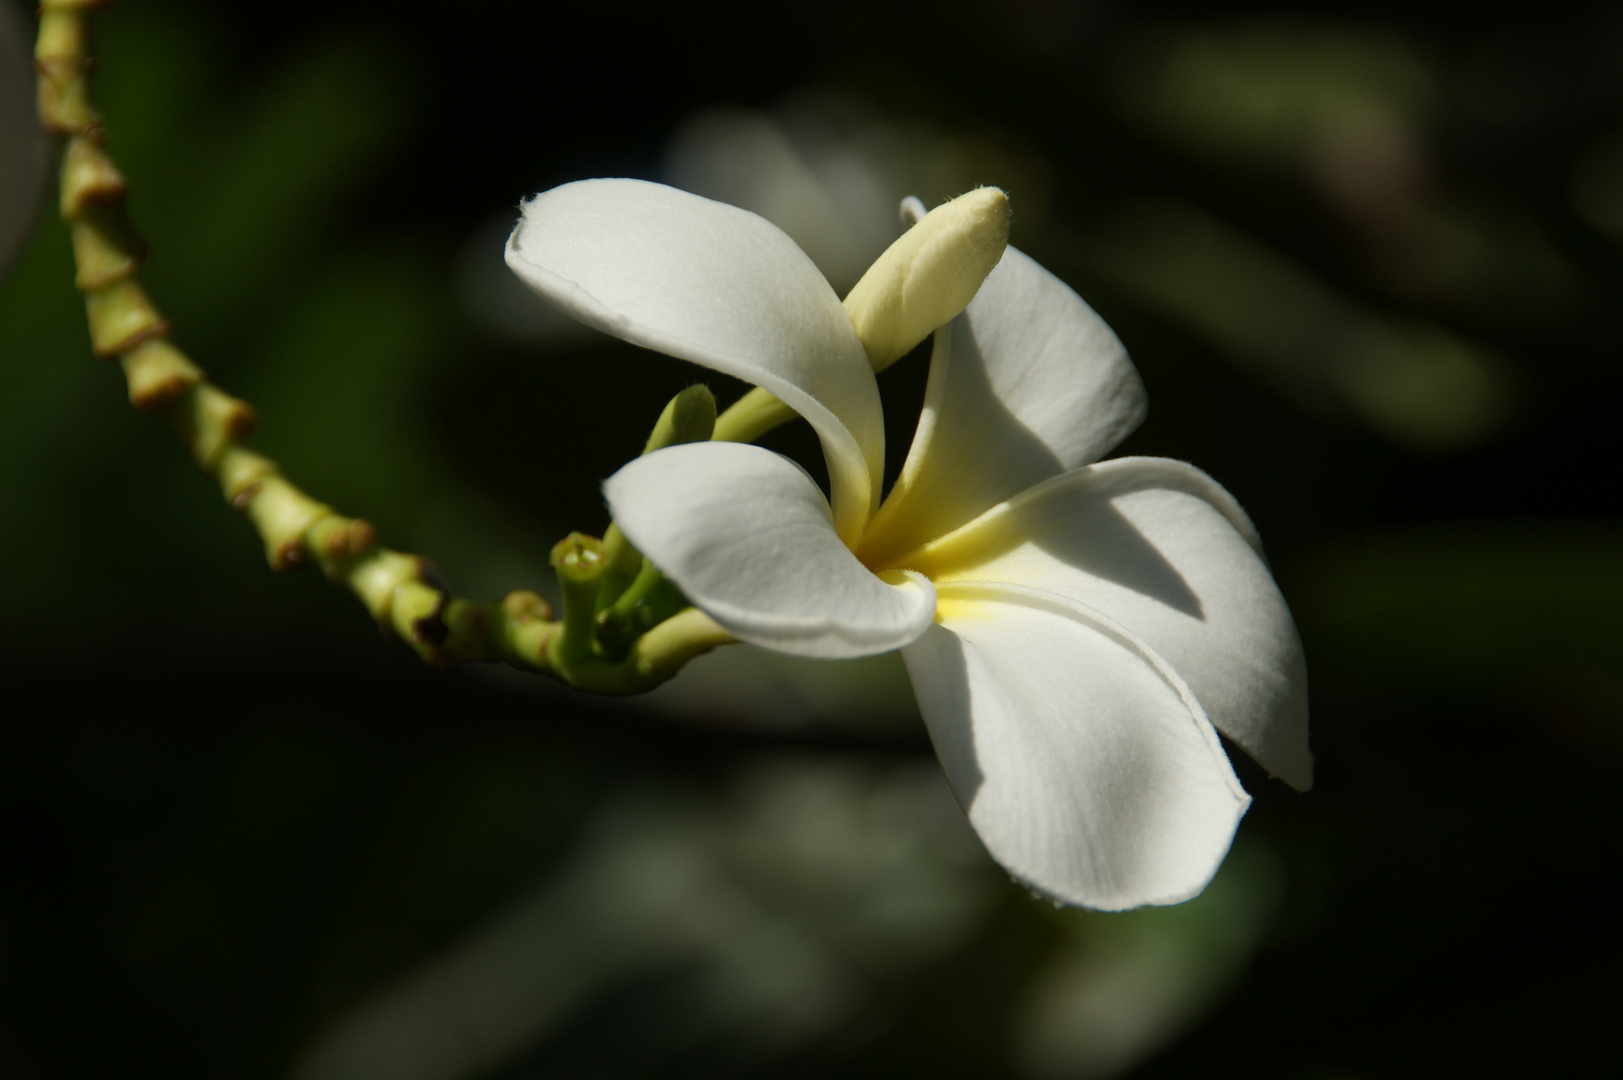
x=929, y=275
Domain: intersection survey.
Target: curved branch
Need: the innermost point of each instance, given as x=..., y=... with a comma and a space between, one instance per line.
x=401, y=591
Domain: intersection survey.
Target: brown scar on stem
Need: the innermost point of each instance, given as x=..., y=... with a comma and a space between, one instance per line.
x=241, y=500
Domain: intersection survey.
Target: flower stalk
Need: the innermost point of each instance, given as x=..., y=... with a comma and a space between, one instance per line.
x=401, y=591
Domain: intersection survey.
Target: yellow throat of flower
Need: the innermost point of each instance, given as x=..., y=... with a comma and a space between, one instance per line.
x=929, y=275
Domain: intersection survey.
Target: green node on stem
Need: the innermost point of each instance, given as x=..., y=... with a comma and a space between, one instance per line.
x=578, y=561
x=375, y=579
x=157, y=374
x=106, y=249
x=515, y=629
x=335, y=543
x=121, y=317
x=60, y=58
x=282, y=514
x=210, y=421
x=415, y=616
x=88, y=177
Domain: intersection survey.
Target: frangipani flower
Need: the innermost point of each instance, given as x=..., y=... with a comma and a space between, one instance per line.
x=1073, y=629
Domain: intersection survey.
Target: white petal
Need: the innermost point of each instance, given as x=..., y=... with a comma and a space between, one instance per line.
x=718, y=286
x=1027, y=383
x=1084, y=763
x=1163, y=550
x=747, y=536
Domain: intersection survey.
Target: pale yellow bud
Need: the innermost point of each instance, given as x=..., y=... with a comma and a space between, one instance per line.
x=929, y=275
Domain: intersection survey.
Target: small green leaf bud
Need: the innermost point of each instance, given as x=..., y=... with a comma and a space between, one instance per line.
x=689, y=417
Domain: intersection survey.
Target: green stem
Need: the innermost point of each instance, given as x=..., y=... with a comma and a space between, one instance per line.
x=401, y=591
x=751, y=416
x=578, y=560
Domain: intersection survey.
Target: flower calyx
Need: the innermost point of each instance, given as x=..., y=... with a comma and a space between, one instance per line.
x=618, y=630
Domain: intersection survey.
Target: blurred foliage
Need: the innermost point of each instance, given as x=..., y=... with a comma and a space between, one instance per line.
x=1477, y=603
x=1412, y=381
x=1272, y=93
x=1368, y=263
x=22, y=170
x=1126, y=983
x=1526, y=610
x=1597, y=184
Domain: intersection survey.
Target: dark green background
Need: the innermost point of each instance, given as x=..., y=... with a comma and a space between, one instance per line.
x=231, y=814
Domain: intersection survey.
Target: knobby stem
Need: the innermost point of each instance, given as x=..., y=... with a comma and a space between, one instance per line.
x=577, y=651
x=401, y=591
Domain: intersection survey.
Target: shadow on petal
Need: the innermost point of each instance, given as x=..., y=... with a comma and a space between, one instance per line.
x=1097, y=538
x=986, y=445
x=1085, y=764
x=1087, y=534
x=940, y=652
x=971, y=452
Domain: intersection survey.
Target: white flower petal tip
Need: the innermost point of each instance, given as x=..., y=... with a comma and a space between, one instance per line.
x=1084, y=763
x=718, y=286
x=748, y=537
x=1054, y=363
x=1279, y=742
x=929, y=274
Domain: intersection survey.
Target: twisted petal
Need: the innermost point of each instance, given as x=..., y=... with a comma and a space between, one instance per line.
x=1084, y=763
x=718, y=286
x=747, y=536
x=1166, y=553
x=1027, y=383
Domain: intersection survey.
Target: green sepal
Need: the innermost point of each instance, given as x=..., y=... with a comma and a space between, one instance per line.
x=688, y=417
x=649, y=600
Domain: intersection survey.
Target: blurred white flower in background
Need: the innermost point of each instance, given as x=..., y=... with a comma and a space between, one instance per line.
x=829, y=171
x=822, y=165
x=778, y=911
x=835, y=204
x=22, y=144
x=777, y=914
